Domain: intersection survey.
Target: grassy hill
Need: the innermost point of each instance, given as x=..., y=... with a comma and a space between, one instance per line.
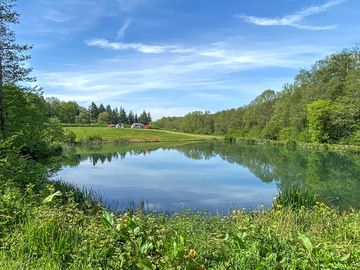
x=134, y=135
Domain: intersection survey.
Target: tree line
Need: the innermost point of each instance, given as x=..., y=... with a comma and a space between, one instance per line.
x=71, y=112
x=321, y=105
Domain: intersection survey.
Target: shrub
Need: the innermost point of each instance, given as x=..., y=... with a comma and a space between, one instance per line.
x=354, y=138
x=286, y=134
x=69, y=136
x=290, y=144
x=92, y=139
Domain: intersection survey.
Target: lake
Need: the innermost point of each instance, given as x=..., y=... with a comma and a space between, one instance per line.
x=209, y=176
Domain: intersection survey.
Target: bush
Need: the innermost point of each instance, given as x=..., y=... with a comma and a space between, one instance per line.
x=92, y=139
x=286, y=134
x=69, y=136
x=290, y=144
x=354, y=138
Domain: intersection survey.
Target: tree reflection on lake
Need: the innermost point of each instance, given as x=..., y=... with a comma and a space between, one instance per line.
x=211, y=175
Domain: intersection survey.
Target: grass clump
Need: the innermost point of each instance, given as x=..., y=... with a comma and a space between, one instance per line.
x=296, y=197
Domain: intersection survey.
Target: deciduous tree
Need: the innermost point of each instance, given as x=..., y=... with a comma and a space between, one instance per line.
x=12, y=57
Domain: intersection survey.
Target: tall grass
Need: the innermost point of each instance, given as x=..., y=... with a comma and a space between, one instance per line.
x=296, y=197
x=46, y=229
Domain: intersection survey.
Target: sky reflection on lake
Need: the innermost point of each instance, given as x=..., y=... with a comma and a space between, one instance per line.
x=169, y=180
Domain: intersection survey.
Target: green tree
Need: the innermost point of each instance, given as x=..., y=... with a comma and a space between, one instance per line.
x=102, y=108
x=68, y=112
x=27, y=121
x=12, y=57
x=115, y=116
x=93, y=112
x=53, y=107
x=319, y=113
x=122, y=116
x=143, y=118
x=149, y=119
x=83, y=117
x=104, y=118
x=131, y=118
x=136, y=118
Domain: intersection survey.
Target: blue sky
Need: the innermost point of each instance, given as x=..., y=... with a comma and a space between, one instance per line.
x=175, y=56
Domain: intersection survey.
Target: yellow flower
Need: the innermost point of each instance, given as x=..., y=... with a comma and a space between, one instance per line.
x=192, y=254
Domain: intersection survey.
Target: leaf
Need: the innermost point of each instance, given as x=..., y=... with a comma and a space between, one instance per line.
x=181, y=240
x=306, y=242
x=175, y=249
x=240, y=240
x=345, y=257
x=49, y=198
x=108, y=218
x=145, y=248
x=132, y=223
x=144, y=264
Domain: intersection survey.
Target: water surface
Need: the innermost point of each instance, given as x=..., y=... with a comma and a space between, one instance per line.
x=209, y=176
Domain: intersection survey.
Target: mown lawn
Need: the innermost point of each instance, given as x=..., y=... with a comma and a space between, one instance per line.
x=134, y=135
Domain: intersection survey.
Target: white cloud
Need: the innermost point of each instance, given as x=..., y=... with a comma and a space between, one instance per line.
x=120, y=34
x=295, y=19
x=140, y=47
x=103, y=43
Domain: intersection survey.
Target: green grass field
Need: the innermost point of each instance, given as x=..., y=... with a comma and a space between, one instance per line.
x=135, y=135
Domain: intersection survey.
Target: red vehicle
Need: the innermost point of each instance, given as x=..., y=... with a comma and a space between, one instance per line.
x=148, y=126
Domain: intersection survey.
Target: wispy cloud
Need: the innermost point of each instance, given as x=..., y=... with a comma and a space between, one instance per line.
x=205, y=69
x=294, y=19
x=120, y=34
x=139, y=47
x=68, y=16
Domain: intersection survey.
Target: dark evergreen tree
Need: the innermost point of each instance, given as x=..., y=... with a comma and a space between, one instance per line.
x=131, y=118
x=122, y=116
x=93, y=112
x=136, y=118
x=143, y=119
x=148, y=118
x=115, y=116
x=108, y=109
x=101, y=108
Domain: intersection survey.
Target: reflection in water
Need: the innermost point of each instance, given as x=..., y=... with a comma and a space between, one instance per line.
x=211, y=175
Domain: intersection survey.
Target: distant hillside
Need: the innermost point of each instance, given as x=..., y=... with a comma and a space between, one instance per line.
x=321, y=105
